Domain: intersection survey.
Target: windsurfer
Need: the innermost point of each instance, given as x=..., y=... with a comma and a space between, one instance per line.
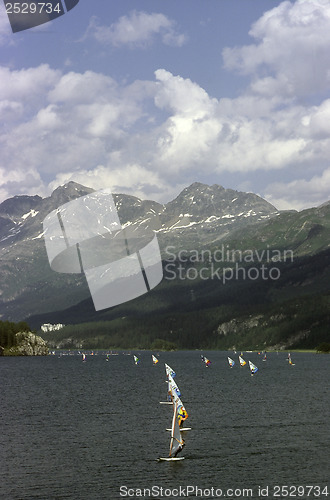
x=181, y=445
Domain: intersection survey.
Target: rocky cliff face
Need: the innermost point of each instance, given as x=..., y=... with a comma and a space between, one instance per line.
x=28, y=344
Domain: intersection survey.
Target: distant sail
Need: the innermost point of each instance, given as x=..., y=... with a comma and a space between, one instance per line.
x=84, y=357
x=265, y=357
x=136, y=360
x=206, y=361
x=231, y=362
x=154, y=359
x=253, y=368
x=290, y=360
x=241, y=361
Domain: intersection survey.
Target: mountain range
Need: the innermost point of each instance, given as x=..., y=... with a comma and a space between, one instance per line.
x=201, y=220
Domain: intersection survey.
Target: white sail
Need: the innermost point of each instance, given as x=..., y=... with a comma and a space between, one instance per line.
x=173, y=388
x=206, y=361
x=154, y=359
x=253, y=368
x=290, y=360
x=242, y=362
x=231, y=362
x=169, y=371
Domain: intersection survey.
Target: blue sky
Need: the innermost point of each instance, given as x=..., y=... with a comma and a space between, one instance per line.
x=147, y=97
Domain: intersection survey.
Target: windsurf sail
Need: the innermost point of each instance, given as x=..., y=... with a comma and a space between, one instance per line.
x=175, y=394
x=265, y=357
x=136, y=360
x=290, y=360
x=173, y=388
x=177, y=442
x=169, y=371
x=206, y=361
x=182, y=413
x=253, y=368
x=83, y=356
x=231, y=362
x=242, y=362
x=154, y=359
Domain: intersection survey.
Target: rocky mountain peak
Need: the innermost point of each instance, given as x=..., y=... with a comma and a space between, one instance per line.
x=203, y=200
x=68, y=192
x=19, y=205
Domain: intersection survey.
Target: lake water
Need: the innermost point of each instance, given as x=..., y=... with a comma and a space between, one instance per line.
x=83, y=430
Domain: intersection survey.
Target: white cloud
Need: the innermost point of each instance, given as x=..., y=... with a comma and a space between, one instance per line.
x=300, y=193
x=240, y=135
x=30, y=84
x=292, y=48
x=150, y=137
x=138, y=29
x=20, y=181
x=131, y=179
